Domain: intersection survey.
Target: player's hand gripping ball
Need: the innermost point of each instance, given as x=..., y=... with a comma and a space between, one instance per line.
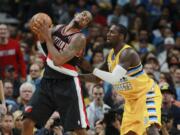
x=39, y=17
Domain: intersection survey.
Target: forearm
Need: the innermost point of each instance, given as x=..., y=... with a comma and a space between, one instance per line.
x=55, y=55
x=85, y=65
x=89, y=78
x=114, y=77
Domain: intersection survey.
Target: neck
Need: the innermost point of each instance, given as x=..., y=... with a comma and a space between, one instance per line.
x=6, y=132
x=71, y=26
x=3, y=41
x=118, y=47
x=100, y=104
x=24, y=102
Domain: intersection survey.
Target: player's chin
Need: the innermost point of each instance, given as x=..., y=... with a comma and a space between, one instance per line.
x=77, y=24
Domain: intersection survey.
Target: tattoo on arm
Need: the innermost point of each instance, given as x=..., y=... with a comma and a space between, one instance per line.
x=78, y=43
x=75, y=46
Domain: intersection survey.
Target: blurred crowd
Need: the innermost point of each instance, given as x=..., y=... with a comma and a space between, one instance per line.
x=154, y=32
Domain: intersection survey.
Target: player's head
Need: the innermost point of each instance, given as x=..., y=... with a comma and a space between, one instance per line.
x=82, y=19
x=117, y=33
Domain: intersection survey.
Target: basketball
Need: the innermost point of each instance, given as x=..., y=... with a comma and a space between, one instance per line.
x=42, y=17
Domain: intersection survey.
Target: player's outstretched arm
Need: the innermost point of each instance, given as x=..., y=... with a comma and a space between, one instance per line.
x=90, y=77
x=128, y=58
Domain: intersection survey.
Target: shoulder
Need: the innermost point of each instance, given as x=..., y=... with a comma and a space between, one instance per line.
x=129, y=52
x=129, y=57
x=79, y=38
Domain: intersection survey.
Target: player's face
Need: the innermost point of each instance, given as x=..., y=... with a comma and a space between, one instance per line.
x=83, y=18
x=113, y=34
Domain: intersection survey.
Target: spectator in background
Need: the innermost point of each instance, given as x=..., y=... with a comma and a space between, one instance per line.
x=136, y=25
x=8, y=92
x=151, y=59
x=11, y=76
x=52, y=126
x=162, y=57
x=167, y=78
x=112, y=123
x=26, y=92
x=40, y=61
x=99, y=17
x=99, y=128
x=7, y=126
x=118, y=17
x=177, y=82
x=11, y=54
x=35, y=76
x=148, y=67
x=97, y=108
x=97, y=58
x=167, y=125
x=17, y=115
x=169, y=103
x=143, y=46
x=130, y=8
x=154, y=9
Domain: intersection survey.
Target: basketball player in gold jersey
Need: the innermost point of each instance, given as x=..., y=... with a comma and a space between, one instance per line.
x=142, y=110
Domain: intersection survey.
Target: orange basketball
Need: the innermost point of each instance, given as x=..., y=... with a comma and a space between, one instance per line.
x=40, y=16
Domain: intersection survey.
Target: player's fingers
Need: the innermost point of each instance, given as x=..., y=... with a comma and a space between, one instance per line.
x=35, y=30
x=37, y=24
x=40, y=21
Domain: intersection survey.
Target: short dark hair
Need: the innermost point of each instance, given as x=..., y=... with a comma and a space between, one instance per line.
x=122, y=29
x=98, y=86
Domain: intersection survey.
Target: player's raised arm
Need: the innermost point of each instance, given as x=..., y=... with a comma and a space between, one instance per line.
x=91, y=77
x=77, y=44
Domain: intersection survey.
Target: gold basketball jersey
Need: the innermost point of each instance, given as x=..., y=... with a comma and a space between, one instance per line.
x=136, y=83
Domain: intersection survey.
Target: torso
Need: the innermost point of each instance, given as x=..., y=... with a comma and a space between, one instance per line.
x=136, y=80
x=61, y=41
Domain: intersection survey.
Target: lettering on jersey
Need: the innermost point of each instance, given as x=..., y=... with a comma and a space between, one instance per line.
x=122, y=85
x=7, y=52
x=59, y=44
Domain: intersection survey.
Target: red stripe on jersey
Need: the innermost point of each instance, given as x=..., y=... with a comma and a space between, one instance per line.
x=84, y=107
x=68, y=66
